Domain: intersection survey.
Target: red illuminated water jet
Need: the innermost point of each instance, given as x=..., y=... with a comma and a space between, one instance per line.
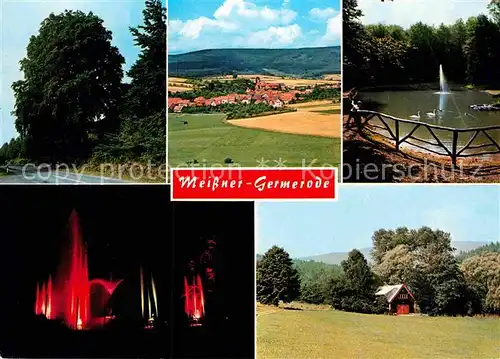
x=68, y=297
x=194, y=295
x=194, y=303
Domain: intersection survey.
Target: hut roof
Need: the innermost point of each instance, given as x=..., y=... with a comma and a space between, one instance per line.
x=391, y=291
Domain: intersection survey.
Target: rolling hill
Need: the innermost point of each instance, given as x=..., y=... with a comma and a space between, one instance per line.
x=338, y=257
x=304, y=62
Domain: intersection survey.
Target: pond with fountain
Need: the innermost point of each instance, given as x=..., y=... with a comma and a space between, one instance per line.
x=452, y=105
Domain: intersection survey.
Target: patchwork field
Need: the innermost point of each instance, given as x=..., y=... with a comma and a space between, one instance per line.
x=179, y=89
x=290, y=82
x=335, y=77
x=317, y=119
x=306, y=331
x=178, y=84
x=209, y=140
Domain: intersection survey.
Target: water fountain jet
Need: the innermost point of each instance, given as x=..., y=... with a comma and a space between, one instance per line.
x=194, y=299
x=148, y=295
x=443, y=84
x=67, y=297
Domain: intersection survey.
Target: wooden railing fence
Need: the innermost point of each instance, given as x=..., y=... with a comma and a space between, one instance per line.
x=361, y=119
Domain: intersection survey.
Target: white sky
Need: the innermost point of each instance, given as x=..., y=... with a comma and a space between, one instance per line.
x=408, y=12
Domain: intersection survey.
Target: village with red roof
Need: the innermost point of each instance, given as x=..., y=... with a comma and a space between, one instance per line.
x=273, y=94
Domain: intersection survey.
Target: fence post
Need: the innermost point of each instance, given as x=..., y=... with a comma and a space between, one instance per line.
x=454, y=150
x=356, y=116
x=396, y=130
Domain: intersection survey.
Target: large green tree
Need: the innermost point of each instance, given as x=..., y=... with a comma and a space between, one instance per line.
x=448, y=293
x=494, y=8
x=148, y=74
x=277, y=279
x=315, y=280
x=423, y=258
x=71, y=87
x=354, y=46
x=385, y=240
x=354, y=290
x=143, y=132
x=482, y=51
x=483, y=274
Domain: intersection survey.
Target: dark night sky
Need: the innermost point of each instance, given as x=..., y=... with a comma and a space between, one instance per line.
x=125, y=227
x=231, y=225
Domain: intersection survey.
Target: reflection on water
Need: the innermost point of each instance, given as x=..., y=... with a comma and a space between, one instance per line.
x=452, y=109
x=442, y=102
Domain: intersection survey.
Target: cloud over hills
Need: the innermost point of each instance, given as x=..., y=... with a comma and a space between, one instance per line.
x=251, y=23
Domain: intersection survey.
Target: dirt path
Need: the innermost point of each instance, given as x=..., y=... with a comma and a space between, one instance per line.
x=303, y=122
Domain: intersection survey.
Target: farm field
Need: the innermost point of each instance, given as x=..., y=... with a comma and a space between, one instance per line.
x=178, y=84
x=209, y=139
x=291, y=82
x=311, y=331
x=179, y=89
x=316, y=119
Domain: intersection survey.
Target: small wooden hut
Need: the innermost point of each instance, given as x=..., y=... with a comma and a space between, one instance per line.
x=399, y=298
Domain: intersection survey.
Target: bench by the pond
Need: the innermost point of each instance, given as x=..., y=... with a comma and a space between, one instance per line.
x=364, y=120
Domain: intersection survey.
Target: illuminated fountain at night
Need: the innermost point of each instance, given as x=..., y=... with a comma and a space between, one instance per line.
x=148, y=296
x=194, y=300
x=67, y=296
x=194, y=289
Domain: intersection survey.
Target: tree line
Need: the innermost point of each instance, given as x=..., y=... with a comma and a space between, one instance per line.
x=238, y=110
x=74, y=105
x=423, y=259
x=319, y=93
x=214, y=88
x=468, y=50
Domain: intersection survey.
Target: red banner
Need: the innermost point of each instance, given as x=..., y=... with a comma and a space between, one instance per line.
x=253, y=183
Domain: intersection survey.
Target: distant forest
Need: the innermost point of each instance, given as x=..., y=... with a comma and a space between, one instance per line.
x=469, y=50
x=305, y=62
x=444, y=284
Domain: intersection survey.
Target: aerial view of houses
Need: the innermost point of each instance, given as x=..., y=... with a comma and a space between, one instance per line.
x=254, y=98
x=276, y=95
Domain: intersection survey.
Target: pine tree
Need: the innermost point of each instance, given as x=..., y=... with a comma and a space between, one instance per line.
x=277, y=279
x=354, y=291
x=142, y=134
x=147, y=93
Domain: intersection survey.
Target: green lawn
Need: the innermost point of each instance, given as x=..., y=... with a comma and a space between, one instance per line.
x=209, y=140
x=333, y=334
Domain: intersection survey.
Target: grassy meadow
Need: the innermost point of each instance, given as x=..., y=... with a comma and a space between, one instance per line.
x=308, y=331
x=207, y=137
